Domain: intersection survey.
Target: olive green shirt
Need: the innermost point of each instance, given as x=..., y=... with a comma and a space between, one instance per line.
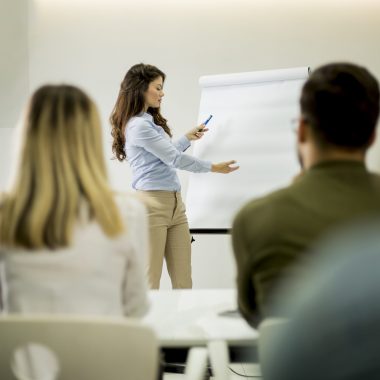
x=271, y=234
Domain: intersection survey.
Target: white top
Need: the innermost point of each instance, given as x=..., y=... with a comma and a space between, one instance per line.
x=96, y=275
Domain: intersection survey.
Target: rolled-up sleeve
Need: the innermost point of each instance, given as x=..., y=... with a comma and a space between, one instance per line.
x=182, y=143
x=146, y=136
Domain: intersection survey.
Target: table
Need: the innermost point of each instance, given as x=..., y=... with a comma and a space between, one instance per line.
x=186, y=318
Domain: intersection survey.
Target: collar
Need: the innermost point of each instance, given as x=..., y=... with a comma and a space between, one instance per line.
x=145, y=115
x=344, y=164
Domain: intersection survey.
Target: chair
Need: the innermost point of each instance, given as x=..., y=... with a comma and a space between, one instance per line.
x=270, y=330
x=76, y=348
x=196, y=364
x=219, y=359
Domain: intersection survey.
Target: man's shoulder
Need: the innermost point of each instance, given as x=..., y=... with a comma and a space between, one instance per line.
x=265, y=214
x=275, y=199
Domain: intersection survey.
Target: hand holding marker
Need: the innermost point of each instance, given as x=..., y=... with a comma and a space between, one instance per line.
x=197, y=132
x=205, y=123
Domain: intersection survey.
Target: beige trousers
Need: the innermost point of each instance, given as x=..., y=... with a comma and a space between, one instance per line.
x=169, y=239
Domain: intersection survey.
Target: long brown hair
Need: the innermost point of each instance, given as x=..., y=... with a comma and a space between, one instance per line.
x=130, y=102
x=61, y=165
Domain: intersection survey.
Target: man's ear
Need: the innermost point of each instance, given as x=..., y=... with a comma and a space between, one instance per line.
x=302, y=132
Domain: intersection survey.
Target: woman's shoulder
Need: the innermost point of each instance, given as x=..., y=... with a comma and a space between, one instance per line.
x=141, y=123
x=135, y=218
x=139, y=120
x=129, y=205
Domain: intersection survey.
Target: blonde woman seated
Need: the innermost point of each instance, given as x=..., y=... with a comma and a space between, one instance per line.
x=67, y=244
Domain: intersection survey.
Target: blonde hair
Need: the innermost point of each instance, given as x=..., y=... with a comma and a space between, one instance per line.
x=61, y=164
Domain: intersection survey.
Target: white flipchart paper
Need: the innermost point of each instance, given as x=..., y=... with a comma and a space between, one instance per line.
x=252, y=114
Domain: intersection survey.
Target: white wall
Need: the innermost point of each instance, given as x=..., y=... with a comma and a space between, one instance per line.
x=14, y=60
x=13, y=74
x=93, y=42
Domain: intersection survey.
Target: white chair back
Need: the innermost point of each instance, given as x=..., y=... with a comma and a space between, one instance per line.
x=51, y=347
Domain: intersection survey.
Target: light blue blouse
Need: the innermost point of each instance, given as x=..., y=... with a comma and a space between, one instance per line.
x=154, y=158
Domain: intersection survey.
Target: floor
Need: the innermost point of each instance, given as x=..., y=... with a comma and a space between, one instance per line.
x=251, y=371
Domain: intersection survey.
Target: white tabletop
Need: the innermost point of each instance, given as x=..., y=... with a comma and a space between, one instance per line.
x=190, y=317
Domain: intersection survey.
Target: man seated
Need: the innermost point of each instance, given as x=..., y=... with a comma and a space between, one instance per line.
x=339, y=112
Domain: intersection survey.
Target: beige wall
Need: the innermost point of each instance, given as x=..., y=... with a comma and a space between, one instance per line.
x=92, y=43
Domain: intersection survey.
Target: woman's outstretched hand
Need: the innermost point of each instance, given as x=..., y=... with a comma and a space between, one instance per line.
x=224, y=167
x=197, y=132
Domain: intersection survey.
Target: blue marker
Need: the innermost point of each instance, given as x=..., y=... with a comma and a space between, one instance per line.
x=205, y=123
x=209, y=118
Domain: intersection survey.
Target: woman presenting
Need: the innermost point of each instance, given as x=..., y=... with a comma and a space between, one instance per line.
x=141, y=135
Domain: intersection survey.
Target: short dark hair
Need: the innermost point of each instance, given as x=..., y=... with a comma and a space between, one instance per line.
x=340, y=102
